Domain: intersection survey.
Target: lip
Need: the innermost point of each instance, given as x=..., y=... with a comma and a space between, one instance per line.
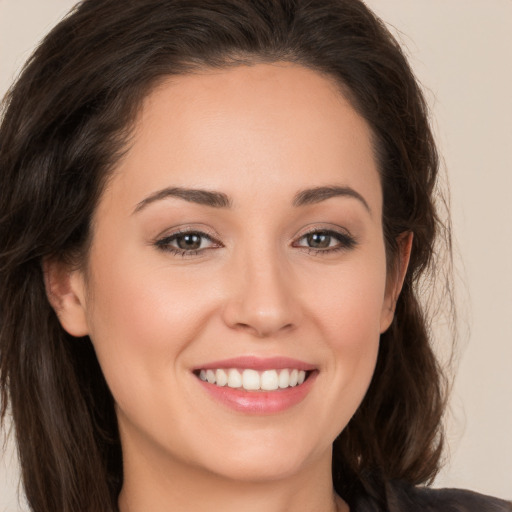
x=259, y=402
x=258, y=363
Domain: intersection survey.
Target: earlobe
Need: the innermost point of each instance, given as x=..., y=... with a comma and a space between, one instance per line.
x=65, y=290
x=396, y=279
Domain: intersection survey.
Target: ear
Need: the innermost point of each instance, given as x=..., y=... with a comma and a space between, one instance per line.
x=65, y=289
x=395, y=279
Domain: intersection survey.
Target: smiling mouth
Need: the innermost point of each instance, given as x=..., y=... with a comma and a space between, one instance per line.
x=253, y=380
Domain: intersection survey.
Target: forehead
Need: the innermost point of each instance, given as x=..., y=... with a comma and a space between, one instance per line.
x=270, y=126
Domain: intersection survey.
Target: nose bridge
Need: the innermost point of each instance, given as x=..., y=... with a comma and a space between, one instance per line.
x=262, y=299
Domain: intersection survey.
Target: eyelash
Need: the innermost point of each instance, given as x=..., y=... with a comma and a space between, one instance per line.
x=345, y=242
x=164, y=243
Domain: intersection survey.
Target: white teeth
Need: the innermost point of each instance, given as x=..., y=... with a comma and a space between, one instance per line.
x=252, y=380
x=284, y=378
x=269, y=380
x=234, y=379
x=221, y=377
x=210, y=376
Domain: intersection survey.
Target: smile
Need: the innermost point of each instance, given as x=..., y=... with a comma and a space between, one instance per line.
x=253, y=380
x=254, y=385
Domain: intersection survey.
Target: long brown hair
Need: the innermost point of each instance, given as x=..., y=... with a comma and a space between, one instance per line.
x=66, y=122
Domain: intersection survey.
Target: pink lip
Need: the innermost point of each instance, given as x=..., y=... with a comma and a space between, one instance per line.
x=258, y=363
x=259, y=402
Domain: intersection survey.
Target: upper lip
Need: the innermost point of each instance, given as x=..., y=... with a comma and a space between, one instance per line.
x=258, y=363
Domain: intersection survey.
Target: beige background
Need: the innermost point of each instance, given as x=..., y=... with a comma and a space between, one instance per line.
x=462, y=52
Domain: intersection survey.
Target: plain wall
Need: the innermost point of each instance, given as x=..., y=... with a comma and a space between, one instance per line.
x=462, y=53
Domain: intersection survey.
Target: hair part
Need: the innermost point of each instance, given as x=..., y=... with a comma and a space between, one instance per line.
x=67, y=122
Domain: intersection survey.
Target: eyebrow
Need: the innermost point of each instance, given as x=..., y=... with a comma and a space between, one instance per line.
x=319, y=194
x=220, y=200
x=199, y=196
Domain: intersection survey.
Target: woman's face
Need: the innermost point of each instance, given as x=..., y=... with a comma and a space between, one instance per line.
x=240, y=239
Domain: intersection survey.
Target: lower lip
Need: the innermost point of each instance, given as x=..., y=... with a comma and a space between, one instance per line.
x=260, y=402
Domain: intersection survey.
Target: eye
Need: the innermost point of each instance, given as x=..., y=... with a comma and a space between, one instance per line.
x=326, y=241
x=187, y=243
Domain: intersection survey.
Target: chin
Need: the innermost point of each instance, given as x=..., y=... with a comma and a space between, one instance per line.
x=260, y=470
x=266, y=458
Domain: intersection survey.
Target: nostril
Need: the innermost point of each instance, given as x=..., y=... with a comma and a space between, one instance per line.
x=262, y=330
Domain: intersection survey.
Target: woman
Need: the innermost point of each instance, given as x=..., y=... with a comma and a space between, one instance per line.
x=214, y=219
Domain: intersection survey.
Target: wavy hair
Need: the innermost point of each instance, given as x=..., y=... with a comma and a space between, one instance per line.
x=66, y=122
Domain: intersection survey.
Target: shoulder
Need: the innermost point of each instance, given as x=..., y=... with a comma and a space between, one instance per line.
x=399, y=496
x=406, y=498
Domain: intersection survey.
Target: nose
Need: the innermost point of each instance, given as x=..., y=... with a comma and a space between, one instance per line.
x=263, y=299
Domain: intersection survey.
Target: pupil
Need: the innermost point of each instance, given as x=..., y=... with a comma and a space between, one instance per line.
x=189, y=242
x=319, y=240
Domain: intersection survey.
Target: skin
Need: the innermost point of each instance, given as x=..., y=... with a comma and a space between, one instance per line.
x=259, y=134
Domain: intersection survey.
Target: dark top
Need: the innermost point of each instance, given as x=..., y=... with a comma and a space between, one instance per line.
x=402, y=497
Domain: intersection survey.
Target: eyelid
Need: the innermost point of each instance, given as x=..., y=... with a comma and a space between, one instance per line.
x=185, y=229
x=315, y=228
x=163, y=240
x=324, y=228
x=346, y=240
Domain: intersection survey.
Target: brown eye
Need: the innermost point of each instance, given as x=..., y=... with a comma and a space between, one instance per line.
x=326, y=241
x=318, y=240
x=189, y=241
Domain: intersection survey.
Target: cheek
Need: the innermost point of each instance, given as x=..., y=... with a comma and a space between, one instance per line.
x=140, y=321
x=141, y=304
x=349, y=314
x=351, y=300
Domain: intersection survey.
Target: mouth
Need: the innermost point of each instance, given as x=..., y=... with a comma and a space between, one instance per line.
x=257, y=386
x=254, y=380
